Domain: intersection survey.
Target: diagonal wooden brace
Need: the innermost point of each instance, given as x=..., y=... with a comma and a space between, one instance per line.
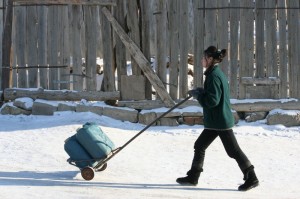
x=141, y=60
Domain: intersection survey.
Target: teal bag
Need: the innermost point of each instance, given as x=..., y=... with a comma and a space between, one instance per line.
x=77, y=153
x=94, y=140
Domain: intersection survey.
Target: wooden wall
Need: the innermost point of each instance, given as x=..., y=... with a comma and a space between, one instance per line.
x=262, y=39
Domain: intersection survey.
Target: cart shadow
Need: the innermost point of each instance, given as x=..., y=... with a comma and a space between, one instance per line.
x=66, y=178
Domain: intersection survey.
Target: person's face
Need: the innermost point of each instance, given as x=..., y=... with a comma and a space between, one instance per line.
x=206, y=61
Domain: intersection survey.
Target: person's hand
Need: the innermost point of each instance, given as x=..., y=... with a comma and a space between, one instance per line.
x=195, y=93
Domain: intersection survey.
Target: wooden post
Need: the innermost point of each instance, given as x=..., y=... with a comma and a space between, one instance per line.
x=233, y=51
x=282, y=49
x=183, y=43
x=174, y=48
x=140, y=59
x=6, y=45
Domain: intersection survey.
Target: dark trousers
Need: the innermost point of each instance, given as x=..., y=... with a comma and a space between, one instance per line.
x=229, y=142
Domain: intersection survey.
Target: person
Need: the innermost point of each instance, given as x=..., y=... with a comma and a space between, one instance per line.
x=218, y=121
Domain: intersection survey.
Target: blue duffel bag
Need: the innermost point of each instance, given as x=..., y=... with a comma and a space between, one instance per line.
x=94, y=141
x=78, y=154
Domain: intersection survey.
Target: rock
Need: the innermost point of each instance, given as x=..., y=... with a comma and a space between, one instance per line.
x=255, y=116
x=44, y=107
x=124, y=114
x=287, y=118
x=25, y=103
x=10, y=109
x=88, y=108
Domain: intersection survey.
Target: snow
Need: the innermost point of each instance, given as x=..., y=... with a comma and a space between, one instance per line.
x=33, y=161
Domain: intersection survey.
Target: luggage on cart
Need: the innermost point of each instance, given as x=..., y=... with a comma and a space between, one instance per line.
x=78, y=154
x=94, y=140
x=88, y=148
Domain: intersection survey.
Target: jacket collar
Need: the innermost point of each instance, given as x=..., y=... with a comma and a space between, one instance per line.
x=210, y=69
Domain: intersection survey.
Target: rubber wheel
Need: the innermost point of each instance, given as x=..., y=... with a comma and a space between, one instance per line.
x=87, y=173
x=103, y=167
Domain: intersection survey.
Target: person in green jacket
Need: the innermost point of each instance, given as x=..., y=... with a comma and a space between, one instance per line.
x=218, y=121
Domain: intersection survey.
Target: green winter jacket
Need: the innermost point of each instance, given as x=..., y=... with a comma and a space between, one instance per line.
x=216, y=100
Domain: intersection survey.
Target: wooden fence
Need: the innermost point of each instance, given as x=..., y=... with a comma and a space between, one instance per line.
x=50, y=38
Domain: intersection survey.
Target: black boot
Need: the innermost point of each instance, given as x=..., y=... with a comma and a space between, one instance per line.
x=191, y=178
x=250, y=178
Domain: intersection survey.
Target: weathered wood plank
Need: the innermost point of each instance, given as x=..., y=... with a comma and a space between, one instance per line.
x=259, y=39
x=161, y=40
x=174, y=46
x=145, y=39
x=222, y=33
x=42, y=46
x=53, y=47
x=210, y=23
x=31, y=47
x=20, y=45
x=233, y=51
x=11, y=94
x=76, y=26
x=271, y=40
x=91, y=42
x=246, y=44
x=69, y=2
x=264, y=81
x=120, y=49
x=140, y=59
x=6, y=45
x=293, y=39
x=183, y=51
x=109, y=76
x=134, y=31
x=1, y=37
x=282, y=49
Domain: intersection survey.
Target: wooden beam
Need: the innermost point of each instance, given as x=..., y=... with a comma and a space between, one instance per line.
x=264, y=81
x=142, y=61
x=64, y=95
x=67, y=2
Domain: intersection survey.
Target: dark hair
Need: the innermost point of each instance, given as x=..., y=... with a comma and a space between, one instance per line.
x=216, y=54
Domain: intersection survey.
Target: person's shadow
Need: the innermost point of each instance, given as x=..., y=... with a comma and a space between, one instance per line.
x=66, y=178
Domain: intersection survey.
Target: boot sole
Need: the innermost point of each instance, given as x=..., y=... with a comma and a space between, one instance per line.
x=251, y=187
x=186, y=183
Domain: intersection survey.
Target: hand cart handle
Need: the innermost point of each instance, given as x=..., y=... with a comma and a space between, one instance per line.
x=144, y=129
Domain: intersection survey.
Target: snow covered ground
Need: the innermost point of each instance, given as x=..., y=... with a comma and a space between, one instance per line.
x=33, y=161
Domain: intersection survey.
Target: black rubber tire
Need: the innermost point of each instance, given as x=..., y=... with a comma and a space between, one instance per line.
x=87, y=173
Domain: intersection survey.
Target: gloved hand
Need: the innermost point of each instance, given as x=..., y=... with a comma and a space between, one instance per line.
x=196, y=92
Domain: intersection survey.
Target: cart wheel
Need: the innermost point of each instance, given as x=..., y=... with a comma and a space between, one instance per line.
x=103, y=167
x=87, y=173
